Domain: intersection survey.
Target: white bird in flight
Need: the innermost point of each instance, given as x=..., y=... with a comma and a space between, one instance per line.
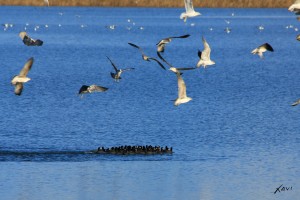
x=295, y=7
x=205, y=55
x=161, y=44
x=92, y=88
x=182, y=97
x=262, y=48
x=189, y=10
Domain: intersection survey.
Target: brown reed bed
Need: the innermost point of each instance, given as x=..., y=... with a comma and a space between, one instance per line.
x=157, y=3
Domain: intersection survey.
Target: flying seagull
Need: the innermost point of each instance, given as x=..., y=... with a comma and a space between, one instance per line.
x=296, y=102
x=92, y=88
x=146, y=58
x=18, y=80
x=29, y=41
x=261, y=49
x=189, y=10
x=182, y=97
x=205, y=55
x=295, y=7
x=46, y=2
x=117, y=75
x=161, y=44
x=298, y=37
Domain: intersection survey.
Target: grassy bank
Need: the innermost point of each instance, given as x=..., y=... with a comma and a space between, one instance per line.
x=157, y=3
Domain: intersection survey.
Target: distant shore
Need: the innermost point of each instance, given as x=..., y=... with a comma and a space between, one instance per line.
x=155, y=3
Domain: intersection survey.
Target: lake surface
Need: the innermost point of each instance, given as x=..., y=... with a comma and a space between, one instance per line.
x=237, y=139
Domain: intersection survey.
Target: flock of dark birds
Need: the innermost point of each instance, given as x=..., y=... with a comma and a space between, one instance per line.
x=204, y=59
x=134, y=150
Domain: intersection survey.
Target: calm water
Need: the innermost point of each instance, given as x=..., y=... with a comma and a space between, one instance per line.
x=237, y=139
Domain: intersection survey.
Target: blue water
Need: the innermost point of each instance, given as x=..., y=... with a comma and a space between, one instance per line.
x=237, y=139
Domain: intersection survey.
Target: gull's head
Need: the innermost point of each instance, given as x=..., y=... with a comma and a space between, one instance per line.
x=173, y=69
x=298, y=37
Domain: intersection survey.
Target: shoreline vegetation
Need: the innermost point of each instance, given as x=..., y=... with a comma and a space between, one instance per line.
x=155, y=3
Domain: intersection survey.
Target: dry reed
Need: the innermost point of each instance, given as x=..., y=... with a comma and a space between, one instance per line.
x=156, y=3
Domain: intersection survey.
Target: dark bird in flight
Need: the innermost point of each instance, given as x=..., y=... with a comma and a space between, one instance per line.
x=29, y=41
x=117, y=75
x=146, y=58
x=90, y=89
x=161, y=44
x=262, y=48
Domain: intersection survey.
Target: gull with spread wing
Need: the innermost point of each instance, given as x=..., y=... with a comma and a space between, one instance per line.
x=295, y=7
x=205, y=55
x=182, y=97
x=18, y=80
x=261, y=49
x=189, y=10
x=161, y=44
x=117, y=75
x=90, y=89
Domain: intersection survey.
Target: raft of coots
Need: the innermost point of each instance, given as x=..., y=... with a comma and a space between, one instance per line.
x=135, y=150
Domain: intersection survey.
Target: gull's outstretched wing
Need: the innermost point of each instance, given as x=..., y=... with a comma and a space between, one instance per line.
x=97, y=88
x=26, y=67
x=295, y=7
x=266, y=46
x=46, y=2
x=18, y=88
x=181, y=86
x=163, y=59
x=189, y=6
x=83, y=89
x=136, y=46
x=161, y=65
x=115, y=67
x=167, y=40
x=127, y=69
x=182, y=36
x=185, y=68
x=139, y=48
x=205, y=54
